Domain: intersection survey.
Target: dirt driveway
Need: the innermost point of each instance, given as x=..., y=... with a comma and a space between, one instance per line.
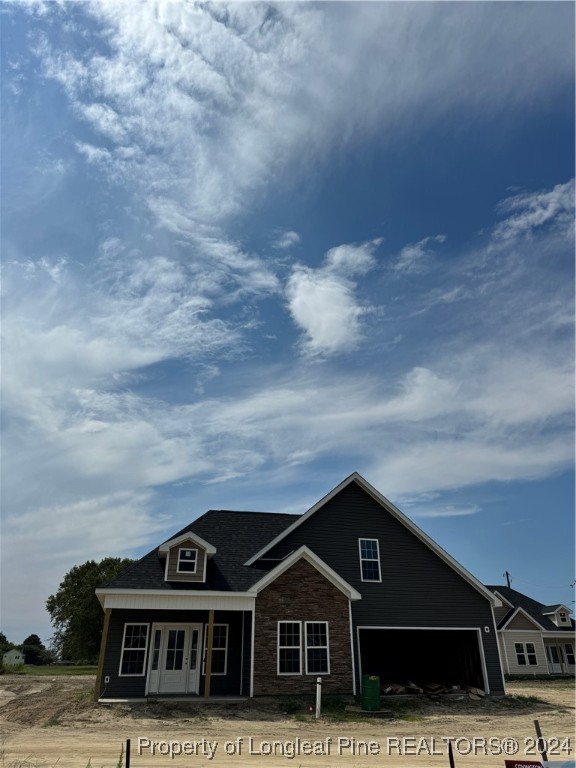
x=47, y=722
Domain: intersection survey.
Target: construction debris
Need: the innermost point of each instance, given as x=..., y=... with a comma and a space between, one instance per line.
x=433, y=690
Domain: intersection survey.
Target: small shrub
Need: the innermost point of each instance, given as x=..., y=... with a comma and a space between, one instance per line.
x=290, y=705
x=333, y=704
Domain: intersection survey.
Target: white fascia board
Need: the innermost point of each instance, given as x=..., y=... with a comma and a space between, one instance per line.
x=557, y=610
x=158, y=599
x=524, y=613
x=187, y=536
x=550, y=634
x=306, y=554
x=401, y=517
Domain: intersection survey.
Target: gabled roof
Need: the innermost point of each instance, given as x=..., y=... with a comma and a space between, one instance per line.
x=393, y=510
x=535, y=610
x=235, y=536
x=551, y=609
x=519, y=612
x=187, y=536
x=303, y=553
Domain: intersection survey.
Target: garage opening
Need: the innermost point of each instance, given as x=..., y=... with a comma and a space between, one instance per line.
x=422, y=656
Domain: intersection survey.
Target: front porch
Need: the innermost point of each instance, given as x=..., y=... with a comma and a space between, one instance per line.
x=560, y=655
x=194, y=655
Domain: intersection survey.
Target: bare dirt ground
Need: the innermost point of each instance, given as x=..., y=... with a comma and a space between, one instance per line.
x=47, y=722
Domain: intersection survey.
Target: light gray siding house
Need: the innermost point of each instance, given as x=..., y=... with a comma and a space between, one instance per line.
x=13, y=658
x=534, y=639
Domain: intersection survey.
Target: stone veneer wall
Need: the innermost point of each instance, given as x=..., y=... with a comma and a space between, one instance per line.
x=301, y=594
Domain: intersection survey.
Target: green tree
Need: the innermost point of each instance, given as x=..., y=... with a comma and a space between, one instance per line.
x=34, y=651
x=5, y=644
x=75, y=611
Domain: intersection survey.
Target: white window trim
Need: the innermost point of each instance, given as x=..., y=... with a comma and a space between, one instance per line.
x=187, y=549
x=362, y=559
x=278, y=646
x=524, y=652
x=225, y=649
x=145, y=649
x=327, y=646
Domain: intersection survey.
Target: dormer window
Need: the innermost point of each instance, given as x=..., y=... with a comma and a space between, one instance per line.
x=369, y=559
x=563, y=617
x=187, y=559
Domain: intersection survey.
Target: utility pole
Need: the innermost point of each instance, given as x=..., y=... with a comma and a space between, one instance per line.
x=507, y=578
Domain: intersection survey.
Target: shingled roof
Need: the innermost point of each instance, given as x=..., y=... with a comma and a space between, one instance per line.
x=236, y=536
x=532, y=607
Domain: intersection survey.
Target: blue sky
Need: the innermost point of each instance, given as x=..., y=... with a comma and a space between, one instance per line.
x=250, y=249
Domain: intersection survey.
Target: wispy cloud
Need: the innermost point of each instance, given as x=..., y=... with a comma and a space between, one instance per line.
x=527, y=212
x=415, y=258
x=286, y=239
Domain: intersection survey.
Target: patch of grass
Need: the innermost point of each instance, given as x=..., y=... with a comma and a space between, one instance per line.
x=57, y=671
x=521, y=701
x=85, y=696
x=53, y=721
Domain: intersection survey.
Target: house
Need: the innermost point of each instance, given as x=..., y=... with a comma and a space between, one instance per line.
x=534, y=639
x=13, y=658
x=252, y=603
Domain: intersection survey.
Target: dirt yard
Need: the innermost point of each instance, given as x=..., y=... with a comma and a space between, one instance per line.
x=47, y=722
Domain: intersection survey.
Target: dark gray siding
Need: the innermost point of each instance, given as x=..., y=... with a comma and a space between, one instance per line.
x=418, y=588
x=129, y=687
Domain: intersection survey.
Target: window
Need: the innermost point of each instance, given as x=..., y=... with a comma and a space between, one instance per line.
x=531, y=653
x=219, y=649
x=187, y=560
x=569, y=648
x=134, y=649
x=525, y=653
x=175, y=649
x=369, y=559
x=156, y=649
x=562, y=615
x=317, y=659
x=289, y=648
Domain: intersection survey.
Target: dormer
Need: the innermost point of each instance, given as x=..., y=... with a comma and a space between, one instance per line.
x=186, y=557
x=558, y=614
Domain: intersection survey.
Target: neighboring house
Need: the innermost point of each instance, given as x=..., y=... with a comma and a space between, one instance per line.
x=252, y=603
x=13, y=658
x=534, y=639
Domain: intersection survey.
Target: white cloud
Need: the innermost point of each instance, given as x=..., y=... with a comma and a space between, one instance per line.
x=195, y=112
x=529, y=211
x=445, y=511
x=322, y=301
x=449, y=464
x=243, y=80
x=286, y=239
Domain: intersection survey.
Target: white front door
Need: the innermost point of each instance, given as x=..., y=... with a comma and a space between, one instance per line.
x=174, y=658
x=554, y=654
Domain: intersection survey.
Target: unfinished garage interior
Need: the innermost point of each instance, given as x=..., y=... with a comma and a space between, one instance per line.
x=422, y=656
